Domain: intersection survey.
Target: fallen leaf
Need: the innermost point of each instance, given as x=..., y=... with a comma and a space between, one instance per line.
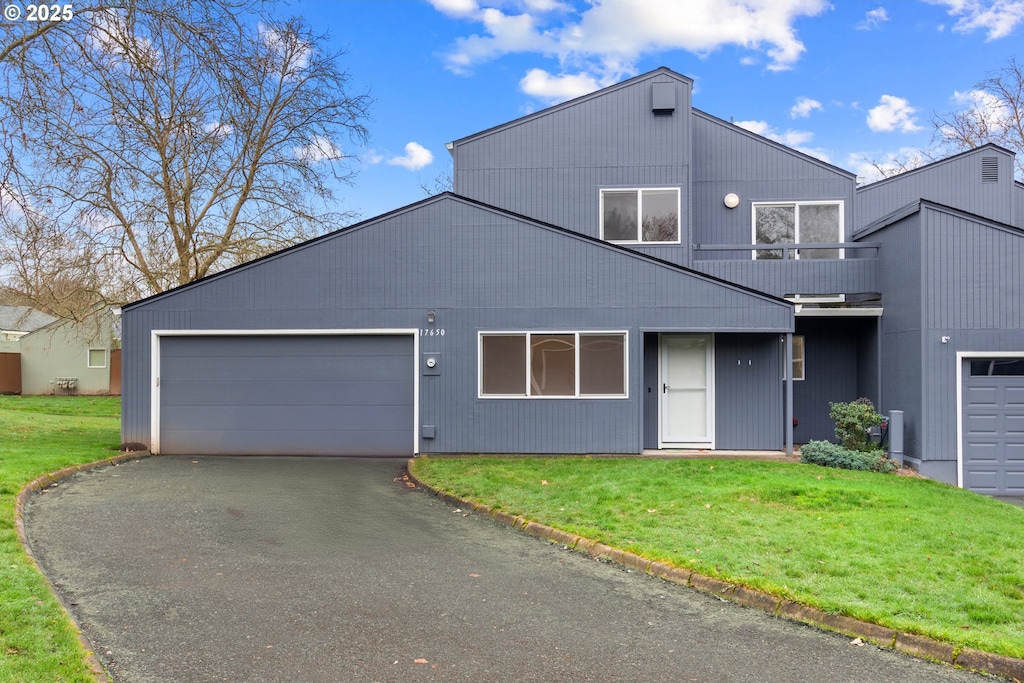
x=543, y=482
x=475, y=576
x=707, y=505
x=420, y=660
x=858, y=642
x=652, y=510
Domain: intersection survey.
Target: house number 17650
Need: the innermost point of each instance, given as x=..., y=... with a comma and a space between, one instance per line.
x=432, y=332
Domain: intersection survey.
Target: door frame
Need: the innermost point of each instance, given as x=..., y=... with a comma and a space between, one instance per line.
x=154, y=360
x=709, y=444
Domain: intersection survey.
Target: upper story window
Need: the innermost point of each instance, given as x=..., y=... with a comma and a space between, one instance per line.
x=798, y=223
x=640, y=216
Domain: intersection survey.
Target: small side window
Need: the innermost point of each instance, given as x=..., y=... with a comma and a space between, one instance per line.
x=798, y=358
x=97, y=358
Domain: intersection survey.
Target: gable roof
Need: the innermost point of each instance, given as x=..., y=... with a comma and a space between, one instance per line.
x=768, y=141
x=23, y=318
x=660, y=71
x=916, y=206
x=988, y=146
x=624, y=251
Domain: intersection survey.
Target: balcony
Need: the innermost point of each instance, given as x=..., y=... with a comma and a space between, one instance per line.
x=858, y=273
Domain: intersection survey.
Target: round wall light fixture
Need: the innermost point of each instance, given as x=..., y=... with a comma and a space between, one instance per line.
x=732, y=200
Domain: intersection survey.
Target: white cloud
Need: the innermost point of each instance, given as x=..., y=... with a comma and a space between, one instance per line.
x=416, y=157
x=891, y=114
x=456, y=8
x=608, y=37
x=539, y=83
x=797, y=139
x=985, y=106
x=371, y=157
x=873, y=19
x=791, y=138
x=319, y=149
x=874, y=168
x=286, y=46
x=998, y=17
x=803, y=108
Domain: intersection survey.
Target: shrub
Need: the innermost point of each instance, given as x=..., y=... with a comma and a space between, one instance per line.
x=832, y=455
x=854, y=420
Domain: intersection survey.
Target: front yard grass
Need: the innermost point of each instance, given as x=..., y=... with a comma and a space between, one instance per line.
x=42, y=434
x=907, y=553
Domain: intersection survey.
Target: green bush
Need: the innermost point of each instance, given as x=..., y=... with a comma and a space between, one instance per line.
x=854, y=421
x=832, y=455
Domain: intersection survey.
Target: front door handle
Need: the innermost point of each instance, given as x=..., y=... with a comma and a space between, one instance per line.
x=664, y=388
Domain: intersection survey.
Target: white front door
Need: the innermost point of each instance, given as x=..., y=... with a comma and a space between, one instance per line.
x=687, y=391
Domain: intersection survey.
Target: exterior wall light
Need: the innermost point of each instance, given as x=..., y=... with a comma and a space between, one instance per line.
x=431, y=317
x=732, y=200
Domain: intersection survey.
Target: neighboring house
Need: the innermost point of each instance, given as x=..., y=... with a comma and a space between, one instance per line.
x=15, y=323
x=620, y=273
x=74, y=356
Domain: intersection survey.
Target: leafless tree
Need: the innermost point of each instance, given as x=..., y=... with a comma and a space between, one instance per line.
x=994, y=113
x=156, y=142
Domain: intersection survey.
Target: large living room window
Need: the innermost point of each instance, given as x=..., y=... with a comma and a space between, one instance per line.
x=798, y=223
x=553, y=364
x=638, y=216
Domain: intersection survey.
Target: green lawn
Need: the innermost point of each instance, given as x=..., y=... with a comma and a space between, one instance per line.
x=910, y=554
x=907, y=553
x=39, y=435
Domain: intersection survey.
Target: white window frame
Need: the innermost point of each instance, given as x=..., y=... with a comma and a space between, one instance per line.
x=88, y=358
x=802, y=358
x=639, y=213
x=529, y=334
x=796, y=237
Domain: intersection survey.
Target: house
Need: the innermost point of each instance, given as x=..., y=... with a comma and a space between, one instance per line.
x=620, y=273
x=15, y=323
x=73, y=355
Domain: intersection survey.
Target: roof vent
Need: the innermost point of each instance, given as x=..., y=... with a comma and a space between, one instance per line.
x=663, y=98
x=990, y=169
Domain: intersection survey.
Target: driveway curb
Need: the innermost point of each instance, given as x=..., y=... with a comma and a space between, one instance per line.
x=907, y=643
x=37, y=484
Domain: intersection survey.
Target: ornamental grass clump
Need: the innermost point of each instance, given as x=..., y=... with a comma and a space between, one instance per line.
x=855, y=450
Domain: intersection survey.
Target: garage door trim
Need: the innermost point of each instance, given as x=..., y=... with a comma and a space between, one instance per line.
x=962, y=356
x=154, y=404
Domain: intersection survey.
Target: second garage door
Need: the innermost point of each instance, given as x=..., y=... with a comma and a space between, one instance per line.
x=993, y=426
x=286, y=395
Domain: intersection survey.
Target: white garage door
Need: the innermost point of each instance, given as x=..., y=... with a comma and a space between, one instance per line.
x=286, y=395
x=993, y=426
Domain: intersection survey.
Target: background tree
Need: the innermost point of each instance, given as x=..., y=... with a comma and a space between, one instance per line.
x=157, y=142
x=994, y=113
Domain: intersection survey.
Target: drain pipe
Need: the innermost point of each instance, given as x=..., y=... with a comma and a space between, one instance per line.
x=896, y=436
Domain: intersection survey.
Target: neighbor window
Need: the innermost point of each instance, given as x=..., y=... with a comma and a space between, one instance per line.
x=97, y=358
x=640, y=215
x=798, y=358
x=553, y=364
x=798, y=223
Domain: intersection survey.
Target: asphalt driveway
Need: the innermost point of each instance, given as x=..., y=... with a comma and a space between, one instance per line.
x=309, y=570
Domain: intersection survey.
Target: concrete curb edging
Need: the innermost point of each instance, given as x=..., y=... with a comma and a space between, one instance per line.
x=37, y=484
x=908, y=643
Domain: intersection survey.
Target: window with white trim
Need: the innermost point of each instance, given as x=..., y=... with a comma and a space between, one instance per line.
x=97, y=358
x=553, y=364
x=799, y=367
x=797, y=223
x=640, y=216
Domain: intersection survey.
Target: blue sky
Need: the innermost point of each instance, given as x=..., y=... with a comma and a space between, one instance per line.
x=845, y=81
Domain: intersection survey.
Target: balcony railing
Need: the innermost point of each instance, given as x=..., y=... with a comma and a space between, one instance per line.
x=859, y=271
